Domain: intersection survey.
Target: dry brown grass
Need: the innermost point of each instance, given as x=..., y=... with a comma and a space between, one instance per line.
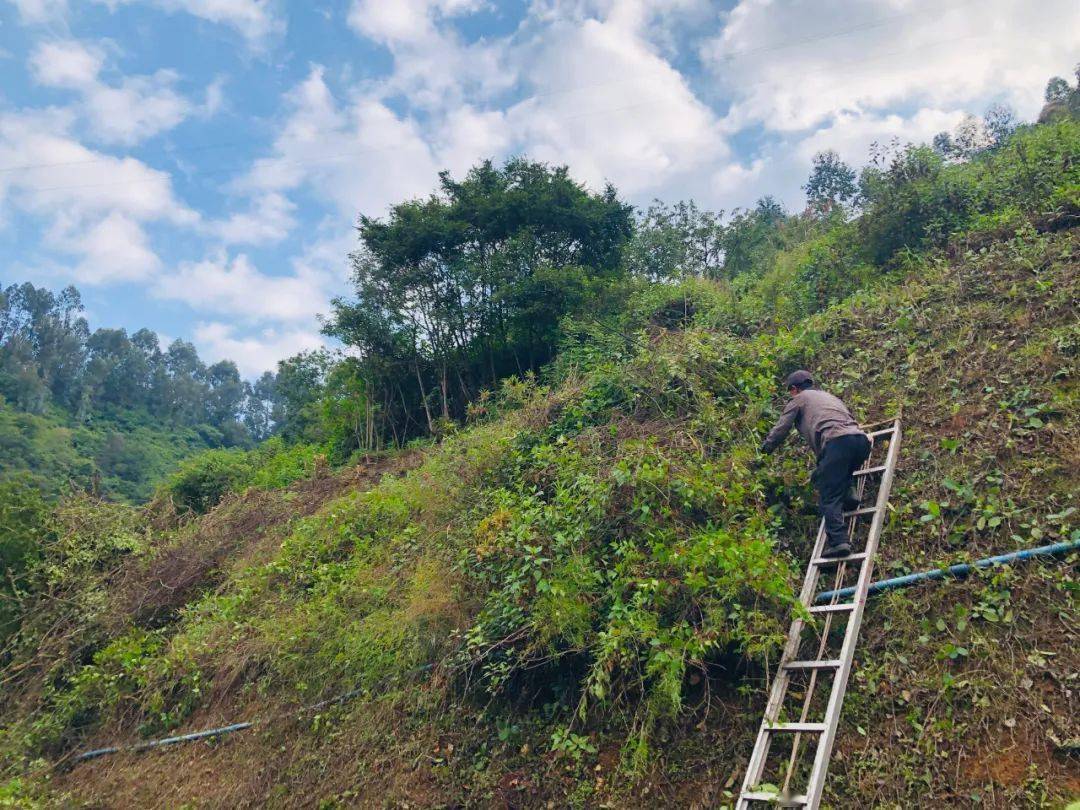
x=243, y=529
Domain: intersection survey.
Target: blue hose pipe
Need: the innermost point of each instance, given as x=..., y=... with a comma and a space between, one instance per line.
x=953, y=571
x=222, y=730
x=146, y=746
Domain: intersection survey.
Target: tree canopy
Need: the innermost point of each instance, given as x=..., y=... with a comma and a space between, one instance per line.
x=458, y=290
x=831, y=183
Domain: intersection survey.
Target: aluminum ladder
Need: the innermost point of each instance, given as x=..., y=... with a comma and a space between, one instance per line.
x=840, y=666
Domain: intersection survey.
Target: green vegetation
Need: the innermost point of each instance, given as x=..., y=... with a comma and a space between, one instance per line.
x=101, y=411
x=120, y=454
x=203, y=480
x=24, y=521
x=113, y=414
x=590, y=558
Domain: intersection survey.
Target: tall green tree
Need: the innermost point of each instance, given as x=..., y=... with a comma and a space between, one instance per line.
x=752, y=238
x=1061, y=97
x=296, y=392
x=455, y=291
x=675, y=241
x=831, y=183
x=974, y=135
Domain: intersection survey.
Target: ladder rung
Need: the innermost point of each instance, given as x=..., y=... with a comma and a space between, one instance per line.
x=870, y=470
x=840, y=608
x=767, y=796
x=859, y=555
x=823, y=663
x=881, y=432
x=891, y=421
x=866, y=510
x=800, y=728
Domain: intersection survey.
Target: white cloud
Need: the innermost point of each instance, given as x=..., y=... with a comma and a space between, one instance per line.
x=94, y=205
x=467, y=135
x=236, y=287
x=39, y=11
x=851, y=134
x=327, y=257
x=634, y=120
x=405, y=20
x=66, y=63
x=433, y=68
x=733, y=184
x=265, y=317
x=360, y=156
x=253, y=353
x=255, y=20
x=141, y=107
x=601, y=96
x=61, y=176
x=269, y=220
x=793, y=65
x=136, y=109
x=214, y=100
x=113, y=249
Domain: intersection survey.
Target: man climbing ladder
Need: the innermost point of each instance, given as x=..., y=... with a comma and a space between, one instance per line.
x=838, y=443
x=802, y=715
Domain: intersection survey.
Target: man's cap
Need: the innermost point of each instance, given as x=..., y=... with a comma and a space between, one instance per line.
x=798, y=379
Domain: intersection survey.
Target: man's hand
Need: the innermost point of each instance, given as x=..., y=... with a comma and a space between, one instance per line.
x=764, y=449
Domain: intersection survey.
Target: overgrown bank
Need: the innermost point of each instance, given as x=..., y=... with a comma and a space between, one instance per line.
x=601, y=573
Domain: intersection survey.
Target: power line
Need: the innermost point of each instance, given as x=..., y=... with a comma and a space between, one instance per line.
x=867, y=26
x=771, y=47
x=587, y=114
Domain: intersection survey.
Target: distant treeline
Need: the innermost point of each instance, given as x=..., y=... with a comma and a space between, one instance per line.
x=107, y=411
x=49, y=358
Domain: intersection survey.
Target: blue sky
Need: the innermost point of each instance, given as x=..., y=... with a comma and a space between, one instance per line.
x=197, y=166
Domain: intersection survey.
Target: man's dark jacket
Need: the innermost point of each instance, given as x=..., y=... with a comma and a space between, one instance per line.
x=818, y=415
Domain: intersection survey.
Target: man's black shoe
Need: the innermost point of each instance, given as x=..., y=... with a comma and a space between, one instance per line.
x=851, y=501
x=837, y=550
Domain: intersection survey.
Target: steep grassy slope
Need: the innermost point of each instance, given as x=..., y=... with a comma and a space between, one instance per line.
x=600, y=576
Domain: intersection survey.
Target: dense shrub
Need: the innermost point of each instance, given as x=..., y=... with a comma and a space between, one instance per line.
x=202, y=481
x=276, y=464
x=24, y=531
x=918, y=200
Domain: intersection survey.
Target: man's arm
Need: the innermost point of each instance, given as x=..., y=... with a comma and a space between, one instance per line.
x=782, y=427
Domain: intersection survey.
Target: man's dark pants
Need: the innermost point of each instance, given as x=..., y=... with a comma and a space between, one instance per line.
x=841, y=457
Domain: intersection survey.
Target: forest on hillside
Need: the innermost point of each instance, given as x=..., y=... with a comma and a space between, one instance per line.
x=113, y=413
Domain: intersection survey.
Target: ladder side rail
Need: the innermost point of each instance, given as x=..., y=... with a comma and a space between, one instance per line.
x=847, y=655
x=756, y=765
x=780, y=681
x=838, y=578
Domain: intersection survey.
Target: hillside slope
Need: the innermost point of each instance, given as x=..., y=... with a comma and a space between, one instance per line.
x=600, y=577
